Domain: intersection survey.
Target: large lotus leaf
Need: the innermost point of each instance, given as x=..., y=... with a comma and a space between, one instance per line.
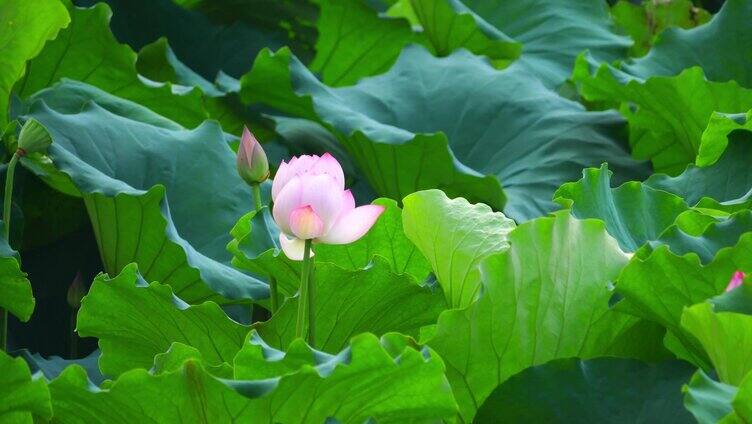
x=371, y=300
x=726, y=184
x=544, y=298
x=363, y=381
x=743, y=400
x=15, y=289
x=721, y=129
x=25, y=25
x=601, y=390
x=23, y=396
x=87, y=51
x=355, y=42
x=634, y=213
x=144, y=186
x=134, y=321
x=205, y=44
x=406, y=136
x=644, y=22
x=455, y=236
x=659, y=283
x=668, y=123
x=552, y=33
x=52, y=366
x=708, y=400
x=726, y=337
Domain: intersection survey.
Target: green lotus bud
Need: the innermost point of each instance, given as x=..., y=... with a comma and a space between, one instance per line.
x=253, y=166
x=34, y=138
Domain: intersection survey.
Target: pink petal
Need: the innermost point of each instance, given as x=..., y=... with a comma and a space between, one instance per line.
x=736, y=281
x=305, y=224
x=281, y=178
x=328, y=164
x=293, y=247
x=353, y=225
x=287, y=201
x=322, y=193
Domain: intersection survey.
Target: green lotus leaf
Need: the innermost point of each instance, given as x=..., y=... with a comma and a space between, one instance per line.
x=548, y=52
x=725, y=185
x=23, y=396
x=708, y=400
x=681, y=270
x=743, y=400
x=405, y=136
x=645, y=22
x=361, y=382
x=544, y=298
x=634, y=213
x=179, y=353
x=87, y=51
x=134, y=321
x=668, y=123
x=371, y=300
x=721, y=129
x=726, y=337
x=15, y=289
x=52, y=366
x=596, y=390
x=25, y=26
x=124, y=166
x=455, y=236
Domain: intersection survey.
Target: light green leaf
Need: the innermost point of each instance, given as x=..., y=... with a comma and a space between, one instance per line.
x=407, y=136
x=355, y=42
x=25, y=26
x=371, y=300
x=743, y=400
x=726, y=338
x=15, y=289
x=361, y=382
x=367, y=379
x=134, y=321
x=633, y=212
x=598, y=390
x=544, y=298
x=721, y=128
x=139, y=176
x=87, y=51
x=23, y=396
x=455, y=236
x=708, y=400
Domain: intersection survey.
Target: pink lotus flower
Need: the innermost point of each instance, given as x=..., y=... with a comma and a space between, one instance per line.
x=736, y=281
x=311, y=203
x=253, y=166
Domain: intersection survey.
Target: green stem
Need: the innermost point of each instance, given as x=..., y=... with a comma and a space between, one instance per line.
x=256, y=188
x=311, y=304
x=9, y=174
x=274, y=295
x=303, y=298
x=73, y=336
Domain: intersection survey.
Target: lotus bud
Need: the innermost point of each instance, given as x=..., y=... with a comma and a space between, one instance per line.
x=253, y=166
x=76, y=292
x=311, y=203
x=33, y=138
x=736, y=281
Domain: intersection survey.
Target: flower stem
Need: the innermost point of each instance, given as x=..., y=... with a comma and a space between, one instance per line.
x=303, y=301
x=311, y=303
x=9, y=174
x=274, y=296
x=256, y=188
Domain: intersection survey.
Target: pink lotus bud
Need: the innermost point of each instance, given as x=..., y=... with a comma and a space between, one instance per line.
x=736, y=281
x=311, y=203
x=253, y=165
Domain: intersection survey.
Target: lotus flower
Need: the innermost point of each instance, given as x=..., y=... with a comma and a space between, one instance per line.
x=253, y=166
x=311, y=203
x=736, y=281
